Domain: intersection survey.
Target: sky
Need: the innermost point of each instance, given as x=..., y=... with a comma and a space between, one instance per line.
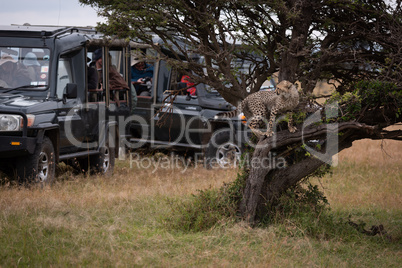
x=47, y=12
x=51, y=12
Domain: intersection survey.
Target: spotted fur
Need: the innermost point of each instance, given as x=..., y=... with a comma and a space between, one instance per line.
x=259, y=105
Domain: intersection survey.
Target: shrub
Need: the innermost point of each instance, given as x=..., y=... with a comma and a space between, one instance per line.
x=208, y=208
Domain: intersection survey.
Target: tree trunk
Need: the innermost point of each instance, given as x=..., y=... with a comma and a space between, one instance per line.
x=291, y=56
x=266, y=183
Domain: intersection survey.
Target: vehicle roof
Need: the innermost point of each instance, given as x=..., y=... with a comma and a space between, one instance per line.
x=39, y=30
x=94, y=38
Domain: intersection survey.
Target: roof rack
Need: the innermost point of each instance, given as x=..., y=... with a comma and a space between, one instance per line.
x=72, y=29
x=42, y=30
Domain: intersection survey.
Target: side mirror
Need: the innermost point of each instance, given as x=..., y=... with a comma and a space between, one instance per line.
x=70, y=92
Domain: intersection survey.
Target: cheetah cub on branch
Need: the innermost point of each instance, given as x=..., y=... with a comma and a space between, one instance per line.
x=256, y=107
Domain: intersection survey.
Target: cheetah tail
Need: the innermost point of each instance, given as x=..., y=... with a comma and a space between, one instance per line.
x=227, y=114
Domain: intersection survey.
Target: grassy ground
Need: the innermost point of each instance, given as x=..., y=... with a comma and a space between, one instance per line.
x=122, y=220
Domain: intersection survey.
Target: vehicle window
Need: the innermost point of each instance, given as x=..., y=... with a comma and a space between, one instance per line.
x=24, y=66
x=64, y=76
x=115, y=57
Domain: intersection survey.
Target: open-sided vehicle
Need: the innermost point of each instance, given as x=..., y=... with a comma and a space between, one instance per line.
x=169, y=117
x=53, y=116
x=49, y=113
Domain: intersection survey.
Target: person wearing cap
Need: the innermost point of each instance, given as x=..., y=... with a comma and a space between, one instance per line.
x=12, y=73
x=140, y=73
x=33, y=67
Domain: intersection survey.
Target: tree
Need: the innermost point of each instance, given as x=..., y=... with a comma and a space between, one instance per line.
x=356, y=45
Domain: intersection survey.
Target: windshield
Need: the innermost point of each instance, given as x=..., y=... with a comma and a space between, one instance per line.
x=24, y=67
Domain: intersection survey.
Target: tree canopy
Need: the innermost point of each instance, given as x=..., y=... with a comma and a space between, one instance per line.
x=308, y=41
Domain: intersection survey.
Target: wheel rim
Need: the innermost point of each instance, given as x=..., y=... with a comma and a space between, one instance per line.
x=43, y=166
x=106, y=159
x=228, y=155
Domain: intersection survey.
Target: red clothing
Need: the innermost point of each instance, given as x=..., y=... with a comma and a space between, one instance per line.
x=185, y=79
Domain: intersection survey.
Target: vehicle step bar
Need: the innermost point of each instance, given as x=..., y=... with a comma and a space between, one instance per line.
x=169, y=144
x=78, y=155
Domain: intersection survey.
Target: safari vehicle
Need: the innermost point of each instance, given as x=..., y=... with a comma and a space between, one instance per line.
x=54, y=117
x=48, y=113
x=170, y=118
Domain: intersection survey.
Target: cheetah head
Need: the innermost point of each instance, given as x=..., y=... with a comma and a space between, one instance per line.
x=283, y=87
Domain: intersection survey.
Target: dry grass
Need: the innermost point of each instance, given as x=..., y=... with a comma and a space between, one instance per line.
x=120, y=220
x=369, y=175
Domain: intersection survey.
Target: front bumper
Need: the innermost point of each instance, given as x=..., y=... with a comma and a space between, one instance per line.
x=11, y=146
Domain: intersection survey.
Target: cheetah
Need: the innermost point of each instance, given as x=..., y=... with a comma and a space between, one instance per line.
x=257, y=106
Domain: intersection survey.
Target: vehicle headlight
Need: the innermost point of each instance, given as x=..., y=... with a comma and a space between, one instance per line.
x=9, y=122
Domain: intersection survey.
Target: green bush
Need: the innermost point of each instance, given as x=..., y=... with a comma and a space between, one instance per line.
x=377, y=93
x=367, y=94
x=208, y=208
x=304, y=211
x=300, y=200
x=217, y=207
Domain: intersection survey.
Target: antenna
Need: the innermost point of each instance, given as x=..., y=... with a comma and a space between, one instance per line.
x=58, y=19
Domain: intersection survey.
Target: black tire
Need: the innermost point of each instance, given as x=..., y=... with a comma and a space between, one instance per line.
x=223, y=150
x=103, y=163
x=39, y=167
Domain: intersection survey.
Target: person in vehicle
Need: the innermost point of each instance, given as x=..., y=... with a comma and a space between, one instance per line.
x=32, y=65
x=191, y=89
x=93, y=84
x=92, y=76
x=116, y=81
x=13, y=73
x=141, y=74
